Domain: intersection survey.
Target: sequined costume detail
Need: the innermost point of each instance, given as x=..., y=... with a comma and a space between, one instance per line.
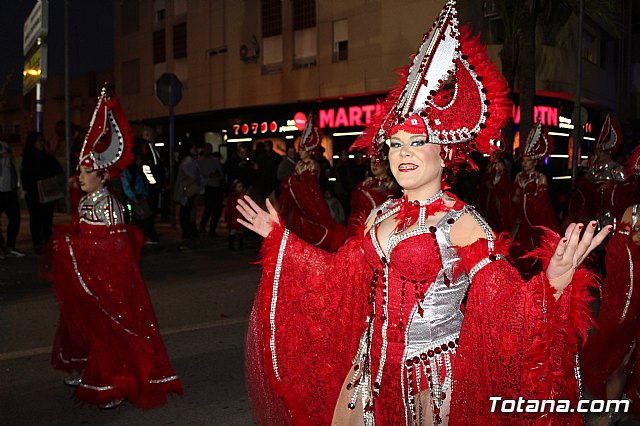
x=367, y=331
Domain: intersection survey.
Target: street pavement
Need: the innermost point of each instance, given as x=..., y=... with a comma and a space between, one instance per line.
x=202, y=294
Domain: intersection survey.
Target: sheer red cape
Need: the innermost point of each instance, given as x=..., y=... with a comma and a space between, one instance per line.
x=107, y=327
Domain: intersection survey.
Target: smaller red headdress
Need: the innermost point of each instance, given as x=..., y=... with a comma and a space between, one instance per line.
x=311, y=137
x=632, y=165
x=539, y=144
x=109, y=141
x=610, y=138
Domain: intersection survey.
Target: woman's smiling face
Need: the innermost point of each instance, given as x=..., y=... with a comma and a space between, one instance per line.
x=415, y=163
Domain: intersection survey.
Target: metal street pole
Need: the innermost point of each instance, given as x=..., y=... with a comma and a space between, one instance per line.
x=172, y=136
x=39, y=99
x=67, y=100
x=577, y=129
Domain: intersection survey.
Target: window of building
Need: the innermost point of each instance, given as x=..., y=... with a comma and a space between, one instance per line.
x=159, y=46
x=340, y=40
x=591, y=47
x=131, y=77
x=271, y=18
x=180, y=40
x=159, y=11
x=305, y=36
x=304, y=14
x=129, y=16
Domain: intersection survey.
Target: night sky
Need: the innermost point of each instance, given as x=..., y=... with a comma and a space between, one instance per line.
x=90, y=36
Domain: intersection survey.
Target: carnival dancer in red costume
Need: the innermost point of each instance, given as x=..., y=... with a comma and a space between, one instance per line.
x=375, y=333
x=494, y=194
x=531, y=197
x=608, y=353
x=616, y=370
x=107, y=331
x=601, y=193
x=370, y=193
x=302, y=204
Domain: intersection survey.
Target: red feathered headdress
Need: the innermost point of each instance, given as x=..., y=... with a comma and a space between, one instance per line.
x=311, y=137
x=539, y=144
x=108, y=143
x=610, y=138
x=452, y=87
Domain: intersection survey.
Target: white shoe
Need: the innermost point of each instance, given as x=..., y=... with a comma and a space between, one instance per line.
x=112, y=404
x=72, y=381
x=15, y=253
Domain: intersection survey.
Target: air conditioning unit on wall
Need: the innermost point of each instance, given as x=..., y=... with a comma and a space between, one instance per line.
x=250, y=52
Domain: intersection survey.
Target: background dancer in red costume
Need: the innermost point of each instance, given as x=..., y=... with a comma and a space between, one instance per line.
x=375, y=333
x=493, y=200
x=301, y=199
x=595, y=196
x=613, y=350
x=531, y=198
x=107, y=331
x=370, y=193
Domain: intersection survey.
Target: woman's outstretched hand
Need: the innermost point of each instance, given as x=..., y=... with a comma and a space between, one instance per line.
x=571, y=251
x=256, y=218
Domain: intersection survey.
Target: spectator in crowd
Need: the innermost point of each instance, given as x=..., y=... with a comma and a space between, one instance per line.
x=268, y=161
x=344, y=181
x=335, y=208
x=155, y=170
x=325, y=166
x=136, y=188
x=211, y=172
x=9, y=199
x=37, y=165
x=231, y=215
x=241, y=166
x=187, y=187
x=287, y=165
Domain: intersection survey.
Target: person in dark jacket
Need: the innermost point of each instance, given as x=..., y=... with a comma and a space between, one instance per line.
x=38, y=164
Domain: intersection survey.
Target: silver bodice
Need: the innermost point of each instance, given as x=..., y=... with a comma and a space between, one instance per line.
x=101, y=208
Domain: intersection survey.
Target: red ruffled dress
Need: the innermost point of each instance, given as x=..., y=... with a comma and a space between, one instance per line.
x=368, y=195
x=618, y=323
x=304, y=210
x=107, y=330
x=421, y=317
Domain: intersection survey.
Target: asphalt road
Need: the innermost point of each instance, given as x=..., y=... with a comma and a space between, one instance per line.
x=202, y=294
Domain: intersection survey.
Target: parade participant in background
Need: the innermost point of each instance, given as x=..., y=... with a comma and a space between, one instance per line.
x=372, y=192
x=605, y=174
x=531, y=197
x=612, y=350
x=301, y=201
x=384, y=331
x=493, y=199
x=107, y=331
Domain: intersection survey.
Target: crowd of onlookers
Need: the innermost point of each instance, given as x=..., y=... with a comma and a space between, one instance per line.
x=204, y=179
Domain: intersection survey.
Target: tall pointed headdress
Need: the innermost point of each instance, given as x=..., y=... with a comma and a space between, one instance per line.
x=451, y=90
x=610, y=138
x=109, y=141
x=311, y=137
x=539, y=144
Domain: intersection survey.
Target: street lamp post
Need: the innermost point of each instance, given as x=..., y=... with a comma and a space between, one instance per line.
x=577, y=113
